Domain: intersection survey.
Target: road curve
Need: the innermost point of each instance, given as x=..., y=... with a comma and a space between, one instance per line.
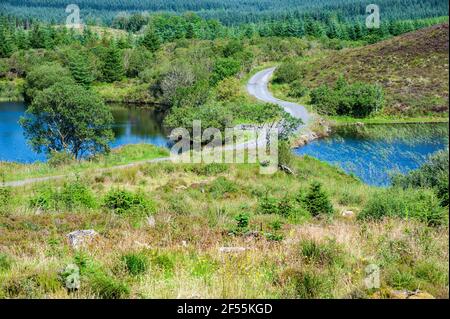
x=258, y=87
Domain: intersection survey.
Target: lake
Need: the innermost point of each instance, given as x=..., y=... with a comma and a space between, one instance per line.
x=375, y=152
x=131, y=125
x=371, y=152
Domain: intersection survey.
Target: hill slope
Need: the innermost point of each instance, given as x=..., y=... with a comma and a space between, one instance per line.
x=412, y=68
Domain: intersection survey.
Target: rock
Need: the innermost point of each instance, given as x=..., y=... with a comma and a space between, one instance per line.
x=184, y=243
x=151, y=222
x=348, y=213
x=232, y=249
x=79, y=237
x=286, y=169
x=402, y=294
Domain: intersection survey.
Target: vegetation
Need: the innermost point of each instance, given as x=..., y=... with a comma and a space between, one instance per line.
x=68, y=118
x=290, y=253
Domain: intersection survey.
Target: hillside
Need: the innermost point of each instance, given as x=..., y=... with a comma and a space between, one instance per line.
x=166, y=231
x=412, y=68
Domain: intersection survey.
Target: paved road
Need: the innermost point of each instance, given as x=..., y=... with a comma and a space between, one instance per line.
x=258, y=87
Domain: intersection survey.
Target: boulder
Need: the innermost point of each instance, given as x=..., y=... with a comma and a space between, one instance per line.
x=79, y=237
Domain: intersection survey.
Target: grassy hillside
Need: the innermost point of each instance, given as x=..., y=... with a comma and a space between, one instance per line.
x=412, y=69
x=196, y=210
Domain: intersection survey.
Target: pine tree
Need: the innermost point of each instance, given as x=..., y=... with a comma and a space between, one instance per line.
x=6, y=41
x=113, y=69
x=151, y=40
x=79, y=67
x=190, y=32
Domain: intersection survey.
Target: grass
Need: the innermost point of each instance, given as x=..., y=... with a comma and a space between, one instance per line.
x=120, y=156
x=292, y=255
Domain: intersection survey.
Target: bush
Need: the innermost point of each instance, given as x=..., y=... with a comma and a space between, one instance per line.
x=72, y=195
x=228, y=89
x=5, y=198
x=421, y=204
x=221, y=186
x=125, y=202
x=305, y=283
x=136, y=264
x=288, y=72
x=271, y=205
x=320, y=253
x=358, y=99
x=108, y=287
x=224, y=67
x=56, y=159
x=242, y=220
x=432, y=174
x=5, y=262
x=297, y=90
x=316, y=201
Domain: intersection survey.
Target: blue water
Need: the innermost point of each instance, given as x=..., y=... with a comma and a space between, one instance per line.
x=131, y=125
x=375, y=160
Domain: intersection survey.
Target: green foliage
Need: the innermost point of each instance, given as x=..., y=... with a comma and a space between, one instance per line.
x=108, y=287
x=285, y=156
x=242, y=220
x=358, y=99
x=223, y=68
x=421, y=204
x=57, y=159
x=297, y=89
x=112, y=68
x=135, y=263
x=284, y=206
x=306, y=284
x=432, y=174
x=71, y=196
x=5, y=198
x=221, y=186
x=44, y=76
x=288, y=72
x=5, y=262
x=80, y=68
x=208, y=169
x=68, y=118
x=228, y=89
x=151, y=40
x=316, y=200
x=324, y=254
x=125, y=202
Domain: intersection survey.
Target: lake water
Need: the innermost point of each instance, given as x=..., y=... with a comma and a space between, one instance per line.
x=131, y=125
x=372, y=153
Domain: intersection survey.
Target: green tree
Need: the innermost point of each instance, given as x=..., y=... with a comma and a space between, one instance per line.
x=80, y=68
x=317, y=201
x=113, y=65
x=151, y=40
x=43, y=76
x=225, y=67
x=6, y=40
x=68, y=118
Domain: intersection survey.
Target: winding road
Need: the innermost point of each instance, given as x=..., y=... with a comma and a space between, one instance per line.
x=257, y=87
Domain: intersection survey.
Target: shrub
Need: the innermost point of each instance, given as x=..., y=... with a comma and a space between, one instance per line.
x=421, y=204
x=5, y=262
x=124, y=202
x=135, y=264
x=316, y=200
x=228, y=89
x=225, y=67
x=305, y=283
x=76, y=194
x=288, y=72
x=221, y=186
x=297, y=89
x=320, y=253
x=358, y=99
x=5, y=198
x=432, y=174
x=108, y=287
x=72, y=195
x=242, y=221
x=62, y=158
